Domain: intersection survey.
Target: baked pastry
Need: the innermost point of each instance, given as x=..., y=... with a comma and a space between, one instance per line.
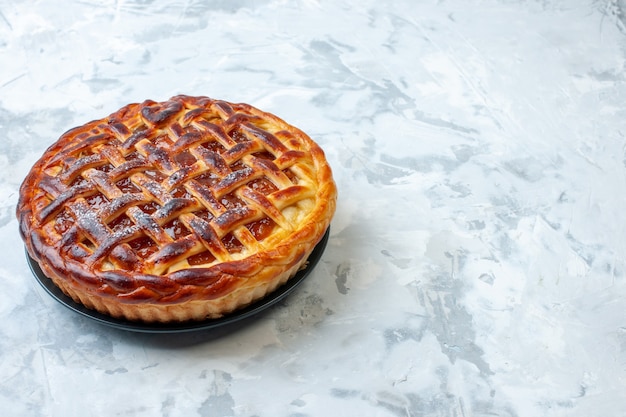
x=187, y=209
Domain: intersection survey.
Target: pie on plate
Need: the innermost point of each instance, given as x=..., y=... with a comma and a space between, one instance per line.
x=187, y=209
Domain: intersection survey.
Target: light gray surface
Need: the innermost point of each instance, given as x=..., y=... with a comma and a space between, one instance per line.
x=476, y=261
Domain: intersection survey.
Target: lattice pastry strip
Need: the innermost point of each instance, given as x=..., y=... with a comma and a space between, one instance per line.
x=184, y=209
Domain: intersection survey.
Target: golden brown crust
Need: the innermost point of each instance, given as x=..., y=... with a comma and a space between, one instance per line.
x=181, y=210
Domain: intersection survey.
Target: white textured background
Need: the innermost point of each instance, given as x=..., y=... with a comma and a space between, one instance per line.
x=476, y=261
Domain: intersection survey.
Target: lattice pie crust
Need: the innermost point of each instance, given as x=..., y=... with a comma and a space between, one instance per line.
x=182, y=210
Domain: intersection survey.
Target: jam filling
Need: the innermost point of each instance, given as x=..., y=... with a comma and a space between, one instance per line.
x=262, y=228
x=97, y=201
x=231, y=201
x=201, y=258
x=149, y=208
x=143, y=246
x=120, y=223
x=176, y=229
x=214, y=146
x=105, y=167
x=157, y=176
x=64, y=221
x=180, y=192
x=263, y=186
x=208, y=179
x=185, y=159
x=204, y=215
x=238, y=136
x=264, y=155
x=238, y=166
x=231, y=243
x=127, y=186
x=292, y=177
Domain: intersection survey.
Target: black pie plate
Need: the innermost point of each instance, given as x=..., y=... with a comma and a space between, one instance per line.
x=238, y=315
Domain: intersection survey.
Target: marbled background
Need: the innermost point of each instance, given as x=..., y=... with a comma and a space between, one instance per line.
x=476, y=261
